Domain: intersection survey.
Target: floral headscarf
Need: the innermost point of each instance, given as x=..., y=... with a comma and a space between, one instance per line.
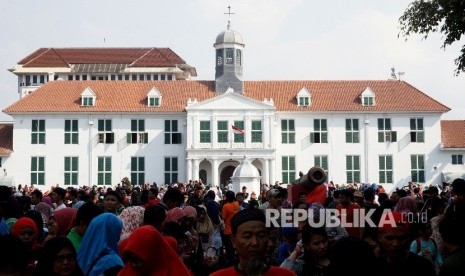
x=132, y=218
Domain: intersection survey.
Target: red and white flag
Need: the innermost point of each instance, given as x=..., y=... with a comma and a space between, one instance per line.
x=237, y=130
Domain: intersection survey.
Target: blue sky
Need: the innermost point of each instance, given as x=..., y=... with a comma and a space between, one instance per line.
x=285, y=40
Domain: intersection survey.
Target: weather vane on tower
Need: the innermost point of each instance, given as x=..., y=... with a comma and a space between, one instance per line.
x=229, y=16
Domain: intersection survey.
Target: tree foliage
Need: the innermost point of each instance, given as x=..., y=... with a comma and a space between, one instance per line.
x=445, y=16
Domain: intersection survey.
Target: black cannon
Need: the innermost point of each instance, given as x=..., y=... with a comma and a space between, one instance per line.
x=306, y=183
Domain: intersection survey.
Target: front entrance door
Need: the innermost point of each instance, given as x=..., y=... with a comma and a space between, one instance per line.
x=226, y=174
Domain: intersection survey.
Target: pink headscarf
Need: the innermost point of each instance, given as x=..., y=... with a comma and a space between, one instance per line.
x=406, y=205
x=65, y=219
x=48, y=200
x=174, y=215
x=45, y=210
x=189, y=212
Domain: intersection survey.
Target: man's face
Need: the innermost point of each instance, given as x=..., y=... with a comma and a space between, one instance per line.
x=110, y=203
x=394, y=241
x=251, y=240
x=344, y=200
x=55, y=197
x=34, y=199
x=317, y=246
x=303, y=198
x=240, y=199
x=275, y=201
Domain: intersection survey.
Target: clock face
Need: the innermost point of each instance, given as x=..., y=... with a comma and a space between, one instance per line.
x=220, y=60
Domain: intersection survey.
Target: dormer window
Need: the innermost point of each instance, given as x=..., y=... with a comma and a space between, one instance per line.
x=154, y=101
x=304, y=97
x=87, y=101
x=154, y=98
x=368, y=97
x=88, y=97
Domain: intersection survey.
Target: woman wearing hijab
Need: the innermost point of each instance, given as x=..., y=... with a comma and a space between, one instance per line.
x=61, y=222
x=26, y=230
x=132, y=218
x=406, y=205
x=58, y=258
x=98, y=254
x=45, y=210
x=37, y=218
x=138, y=254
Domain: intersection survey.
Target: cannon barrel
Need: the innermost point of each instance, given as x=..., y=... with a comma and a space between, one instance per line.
x=314, y=177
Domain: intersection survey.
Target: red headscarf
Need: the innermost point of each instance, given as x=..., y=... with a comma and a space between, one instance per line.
x=141, y=243
x=65, y=220
x=23, y=223
x=391, y=220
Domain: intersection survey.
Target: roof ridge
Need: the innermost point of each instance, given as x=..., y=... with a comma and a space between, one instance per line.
x=161, y=53
x=37, y=56
x=61, y=58
x=146, y=53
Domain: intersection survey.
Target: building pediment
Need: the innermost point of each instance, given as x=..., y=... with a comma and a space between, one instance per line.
x=230, y=101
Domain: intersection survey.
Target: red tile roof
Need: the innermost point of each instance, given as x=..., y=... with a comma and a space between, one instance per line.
x=131, y=96
x=6, y=139
x=453, y=133
x=138, y=57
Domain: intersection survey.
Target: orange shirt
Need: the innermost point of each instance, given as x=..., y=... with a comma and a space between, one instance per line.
x=229, y=210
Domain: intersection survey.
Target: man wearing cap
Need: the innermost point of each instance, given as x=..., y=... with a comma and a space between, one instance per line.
x=250, y=240
x=274, y=200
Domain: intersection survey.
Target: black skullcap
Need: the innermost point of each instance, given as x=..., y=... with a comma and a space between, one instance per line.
x=244, y=216
x=458, y=186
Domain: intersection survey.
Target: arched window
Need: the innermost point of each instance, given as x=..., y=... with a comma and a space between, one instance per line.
x=219, y=57
x=229, y=56
x=203, y=176
x=238, y=57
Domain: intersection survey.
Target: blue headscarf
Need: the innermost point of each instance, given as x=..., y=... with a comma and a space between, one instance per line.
x=4, y=230
x=100, y=242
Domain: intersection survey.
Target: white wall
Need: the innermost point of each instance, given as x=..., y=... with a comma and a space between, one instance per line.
x=154, y=152
x=336, y=149
x=55, y=150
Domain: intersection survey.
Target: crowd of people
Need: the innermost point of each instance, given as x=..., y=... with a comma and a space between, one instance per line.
x=193, y=229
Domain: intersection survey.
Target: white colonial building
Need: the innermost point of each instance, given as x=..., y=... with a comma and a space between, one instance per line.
x=96, y=132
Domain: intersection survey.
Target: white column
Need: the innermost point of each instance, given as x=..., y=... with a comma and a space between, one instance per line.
x=272, y=131
x=266, y=172
x=189, y=170
x=272, y=171
x=195, y=169
x=266, y=132
x=51, y=76
x=215, y=180
x=194, y=131
x=214, y=129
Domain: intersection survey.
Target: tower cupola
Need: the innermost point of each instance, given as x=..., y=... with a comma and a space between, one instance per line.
x=229, y=47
